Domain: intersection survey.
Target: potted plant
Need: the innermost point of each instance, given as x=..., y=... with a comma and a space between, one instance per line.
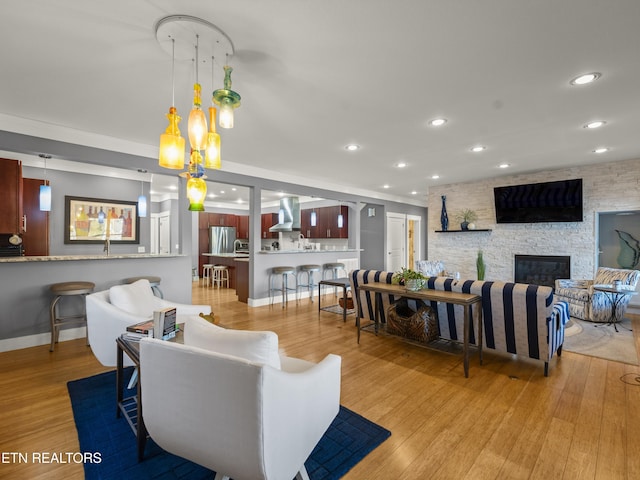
x=465, y=217
x=411, y=279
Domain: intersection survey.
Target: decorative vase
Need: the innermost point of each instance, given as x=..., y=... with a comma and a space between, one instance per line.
x=464, y=225
x=444, y=218
x=413, y=284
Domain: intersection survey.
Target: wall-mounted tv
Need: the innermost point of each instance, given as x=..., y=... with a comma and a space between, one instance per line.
x=559, y=201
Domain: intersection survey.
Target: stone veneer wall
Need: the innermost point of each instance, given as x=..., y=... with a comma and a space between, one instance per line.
x=606, y=188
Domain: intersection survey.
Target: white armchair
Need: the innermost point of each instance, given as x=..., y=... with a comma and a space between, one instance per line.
x=110, y=312
x=242, y=418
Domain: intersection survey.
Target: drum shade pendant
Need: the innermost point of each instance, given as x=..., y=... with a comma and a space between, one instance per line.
x=171, y=153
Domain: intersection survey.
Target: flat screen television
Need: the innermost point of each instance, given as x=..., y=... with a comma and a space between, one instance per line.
x=559, y=201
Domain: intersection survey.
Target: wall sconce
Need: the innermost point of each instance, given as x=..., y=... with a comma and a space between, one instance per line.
x=371, y=212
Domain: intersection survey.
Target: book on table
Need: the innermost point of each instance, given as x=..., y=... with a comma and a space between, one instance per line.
x=162, y=325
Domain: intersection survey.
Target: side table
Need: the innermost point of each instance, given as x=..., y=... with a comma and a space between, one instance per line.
x=343, y=283
x=617, y=294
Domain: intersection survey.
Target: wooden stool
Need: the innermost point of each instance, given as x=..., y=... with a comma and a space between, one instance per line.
x=309, y=270
x=207, y=274
x=284, y=288
x=220, y=275
x=67, y=289
x=153, y=281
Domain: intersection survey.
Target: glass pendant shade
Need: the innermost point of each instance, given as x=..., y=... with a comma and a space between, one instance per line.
x=197, y=124
x=340, y=221
x=196, y=193
x=45, y=198
x=212, y=151
x=226, y=114
x=171, y=143
x=314, y=218
x=142, y=206
x=227, y=99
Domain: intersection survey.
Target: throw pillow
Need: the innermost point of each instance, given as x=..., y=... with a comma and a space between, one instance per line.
x=255, y=346
x=135, y=298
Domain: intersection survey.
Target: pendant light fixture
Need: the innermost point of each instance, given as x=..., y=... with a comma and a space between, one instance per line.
x=45, y=188
x=227, y=99
x=314, y=218
x=340, y=217
x=212, y=151
x=142, y=202
x=197, y=125
x=196, y=186
x=171, y=142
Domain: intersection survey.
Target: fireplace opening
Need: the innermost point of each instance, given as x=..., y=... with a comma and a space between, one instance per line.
x=541, y=269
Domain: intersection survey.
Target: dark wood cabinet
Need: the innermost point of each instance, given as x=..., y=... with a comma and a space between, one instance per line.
x=326, y=222
x=242, y=226
x=268, y=220
x=35, y=239
x=11, y=220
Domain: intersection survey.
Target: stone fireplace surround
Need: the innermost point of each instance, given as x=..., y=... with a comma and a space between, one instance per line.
x=541, y=269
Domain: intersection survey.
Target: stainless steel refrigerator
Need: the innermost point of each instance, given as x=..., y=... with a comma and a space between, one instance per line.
x=221, y=239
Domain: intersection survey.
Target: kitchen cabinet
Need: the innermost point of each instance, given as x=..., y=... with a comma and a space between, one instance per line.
x=35, y=239
x=268, y=220
x=222, y=219
x=11, y=215
x=326, y=222
x=242, y=226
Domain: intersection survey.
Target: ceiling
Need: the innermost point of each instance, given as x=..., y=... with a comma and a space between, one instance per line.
x=315, y=76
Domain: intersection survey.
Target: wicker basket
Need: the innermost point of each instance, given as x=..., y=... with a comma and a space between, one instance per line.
x=341, y=302
x=420, y=325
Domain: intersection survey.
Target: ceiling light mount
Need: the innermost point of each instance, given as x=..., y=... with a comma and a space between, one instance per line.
x=586, y=78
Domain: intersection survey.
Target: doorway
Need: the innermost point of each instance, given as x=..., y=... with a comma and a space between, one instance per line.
x=396, y=242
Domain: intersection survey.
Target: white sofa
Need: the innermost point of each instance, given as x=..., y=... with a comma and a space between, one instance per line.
x=226, y=400
x=110, y=312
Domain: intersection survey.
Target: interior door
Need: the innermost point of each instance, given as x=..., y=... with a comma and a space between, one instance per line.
x=396, y=242
x=414, y=251
x=164, y=225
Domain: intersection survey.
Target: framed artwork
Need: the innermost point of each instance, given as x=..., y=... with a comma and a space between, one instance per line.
x=93, y=220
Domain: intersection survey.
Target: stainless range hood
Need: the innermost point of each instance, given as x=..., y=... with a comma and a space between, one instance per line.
x=289, y=215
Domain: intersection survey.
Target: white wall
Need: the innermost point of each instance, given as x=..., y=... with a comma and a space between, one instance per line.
x=606, y=188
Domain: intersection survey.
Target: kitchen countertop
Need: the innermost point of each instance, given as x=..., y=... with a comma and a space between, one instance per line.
x=58, y=258
x=227, y=255
x=273, y=252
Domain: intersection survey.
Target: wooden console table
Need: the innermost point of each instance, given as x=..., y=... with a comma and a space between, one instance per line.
x=464, y=299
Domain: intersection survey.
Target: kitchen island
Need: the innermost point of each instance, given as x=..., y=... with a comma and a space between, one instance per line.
x=25, y=295
x=229, y=260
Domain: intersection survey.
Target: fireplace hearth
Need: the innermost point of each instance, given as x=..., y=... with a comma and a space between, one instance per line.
x=541, y=269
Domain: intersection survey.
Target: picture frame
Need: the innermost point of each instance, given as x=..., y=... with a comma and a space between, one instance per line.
x=93, y=220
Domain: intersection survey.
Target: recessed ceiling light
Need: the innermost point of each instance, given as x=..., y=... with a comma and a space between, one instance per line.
x=435, y=177
x=586, y=78
x=437, y=122
x=233, y=189
x=601, y=150
x=504, y=165
x=221, y=192
x=401, y=164
x=414, y=193
x=385, y=186
x=478, y=148
x=596, y=124
x=352, y=147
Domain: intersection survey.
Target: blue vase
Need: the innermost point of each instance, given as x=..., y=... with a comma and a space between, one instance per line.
x=444, y=218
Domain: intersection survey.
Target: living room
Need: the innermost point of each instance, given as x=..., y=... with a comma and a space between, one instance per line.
x=381, y=104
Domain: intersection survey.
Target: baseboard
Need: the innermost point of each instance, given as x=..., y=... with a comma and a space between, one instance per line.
x=18, y=343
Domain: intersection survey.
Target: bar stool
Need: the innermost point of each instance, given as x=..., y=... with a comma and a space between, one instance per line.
x=309, y=270
x=67, y=289
x=332, y=269
x=285, y=272
x=220, y=275
x=207, y=274
x=153, y=281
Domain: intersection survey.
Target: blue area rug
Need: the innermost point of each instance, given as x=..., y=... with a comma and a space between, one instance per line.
x=347, y=441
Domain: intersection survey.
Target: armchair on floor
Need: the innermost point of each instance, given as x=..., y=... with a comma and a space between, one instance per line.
x=110, y=312
x=586, y=303
x=243, y=417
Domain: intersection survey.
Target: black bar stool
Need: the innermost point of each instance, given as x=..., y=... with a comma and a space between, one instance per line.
x=67, y=289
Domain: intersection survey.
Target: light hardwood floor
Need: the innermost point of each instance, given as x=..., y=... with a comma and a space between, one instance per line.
x=507, y=421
